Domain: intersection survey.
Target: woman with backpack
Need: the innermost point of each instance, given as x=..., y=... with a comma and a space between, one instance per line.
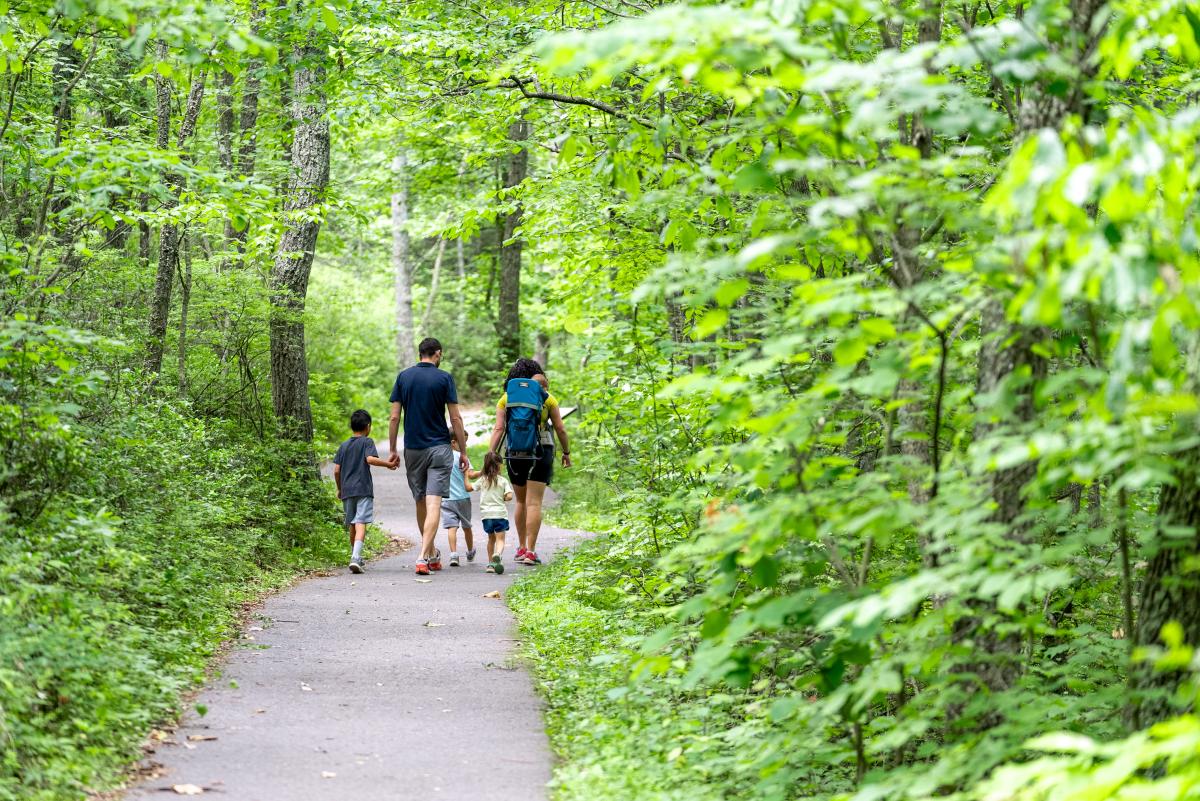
x=527, y=418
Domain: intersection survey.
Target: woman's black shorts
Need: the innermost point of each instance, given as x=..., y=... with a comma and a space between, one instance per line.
x=522, y=470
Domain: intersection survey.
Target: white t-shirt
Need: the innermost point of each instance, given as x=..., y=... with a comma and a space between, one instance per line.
x=491, y=499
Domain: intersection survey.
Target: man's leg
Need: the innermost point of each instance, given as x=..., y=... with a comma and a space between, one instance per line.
x=534, y=492
x=430, y=517
x=421, y=519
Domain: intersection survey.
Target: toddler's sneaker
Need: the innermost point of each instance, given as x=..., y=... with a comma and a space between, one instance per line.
x=495, y=566
x=435, y=561
x=471, y=555
x=422, y=567
x=454, y=559
x=491, y=568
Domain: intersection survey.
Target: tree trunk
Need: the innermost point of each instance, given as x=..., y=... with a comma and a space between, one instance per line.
x=185, y=297
x=293, y=261
x=461, y=311
x=1171, y=588
x=168, y=239
x=509, y=317
x=541, y=353
x=433, y=287
x=160, y=304
x=406, y=351
x=248, y=122
x=225, y=142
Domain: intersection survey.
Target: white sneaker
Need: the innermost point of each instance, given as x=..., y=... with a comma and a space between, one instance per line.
x=471, y=555
x=454, y=559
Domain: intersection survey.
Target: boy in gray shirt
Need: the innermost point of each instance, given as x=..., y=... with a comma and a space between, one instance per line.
x=352, y=474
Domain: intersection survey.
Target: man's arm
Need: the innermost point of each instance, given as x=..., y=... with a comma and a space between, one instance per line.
x=393, y=430
x=460, y=434
x=337, y=479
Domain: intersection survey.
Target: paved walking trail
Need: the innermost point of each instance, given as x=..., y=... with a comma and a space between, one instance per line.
x=372, y=687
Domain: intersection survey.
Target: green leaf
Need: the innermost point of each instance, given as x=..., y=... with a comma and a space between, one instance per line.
x=710, y=322
x=849, y=351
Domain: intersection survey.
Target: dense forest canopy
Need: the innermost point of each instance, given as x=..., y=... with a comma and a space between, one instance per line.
x=881, y=317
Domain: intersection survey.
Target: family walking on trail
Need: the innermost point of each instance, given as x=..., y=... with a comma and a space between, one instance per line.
x=439, y=472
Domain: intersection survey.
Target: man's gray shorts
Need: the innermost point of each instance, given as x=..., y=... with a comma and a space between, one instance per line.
x=360, y=509
x=456, y=513
x=428, y=470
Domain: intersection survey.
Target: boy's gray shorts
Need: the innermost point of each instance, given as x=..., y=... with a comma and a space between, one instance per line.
x=456, y=513
x=428, y=470
x=360, y=509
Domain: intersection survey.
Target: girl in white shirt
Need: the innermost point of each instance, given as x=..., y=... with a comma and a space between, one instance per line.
x=494, y=493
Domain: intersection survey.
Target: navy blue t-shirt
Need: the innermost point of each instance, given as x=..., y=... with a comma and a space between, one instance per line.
x=423, y=391
x=356, y=473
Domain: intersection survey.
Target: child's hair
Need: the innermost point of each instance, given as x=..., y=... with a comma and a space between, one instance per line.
x=360, y=420
x=491, y=468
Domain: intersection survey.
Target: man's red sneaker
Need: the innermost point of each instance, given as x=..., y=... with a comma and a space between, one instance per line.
x=422, y=569
x=435, y=561
x=519, y=556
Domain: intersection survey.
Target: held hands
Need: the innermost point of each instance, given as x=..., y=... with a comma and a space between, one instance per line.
x=464, y=462
x=566, y=460
x=393, y=461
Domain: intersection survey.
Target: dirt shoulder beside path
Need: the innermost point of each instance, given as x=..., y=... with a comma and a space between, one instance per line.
x=376, y=686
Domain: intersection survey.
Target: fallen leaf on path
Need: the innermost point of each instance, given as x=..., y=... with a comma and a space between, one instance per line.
x=327, y=774
x=304, y=687
x=259, y=711
x=187, y=789
x=424, y=581
x=432, y=625
x=197, y=738
x=492, y=594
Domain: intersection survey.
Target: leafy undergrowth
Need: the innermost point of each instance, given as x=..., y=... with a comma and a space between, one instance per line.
x=116, y=596
x=616, y=738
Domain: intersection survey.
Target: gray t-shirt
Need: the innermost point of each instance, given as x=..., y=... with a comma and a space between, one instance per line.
x=356, y=473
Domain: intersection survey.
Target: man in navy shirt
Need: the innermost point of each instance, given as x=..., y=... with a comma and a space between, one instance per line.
x=425, y=394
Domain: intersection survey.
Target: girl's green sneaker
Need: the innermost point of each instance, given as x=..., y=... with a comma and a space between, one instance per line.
x=496, y=566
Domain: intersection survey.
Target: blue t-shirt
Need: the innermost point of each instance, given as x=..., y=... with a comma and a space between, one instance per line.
x=356, y=473
x=423, y=392
x=458, y=484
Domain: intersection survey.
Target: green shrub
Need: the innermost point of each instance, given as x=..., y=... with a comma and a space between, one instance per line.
x=133, y=535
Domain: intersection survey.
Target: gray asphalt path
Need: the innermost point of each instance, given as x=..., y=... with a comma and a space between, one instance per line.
x=371, y=687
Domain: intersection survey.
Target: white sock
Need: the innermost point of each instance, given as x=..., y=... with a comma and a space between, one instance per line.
x=357, y=552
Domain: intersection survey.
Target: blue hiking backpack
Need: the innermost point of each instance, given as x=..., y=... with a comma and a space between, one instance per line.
x=523, y=403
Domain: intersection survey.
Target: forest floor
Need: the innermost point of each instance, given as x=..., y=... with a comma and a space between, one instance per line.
x=374, y=686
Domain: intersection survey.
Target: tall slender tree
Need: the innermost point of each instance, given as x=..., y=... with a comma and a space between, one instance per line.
x=508, y=322
x=170, y=234
x=401, y=268
x=293, y=260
